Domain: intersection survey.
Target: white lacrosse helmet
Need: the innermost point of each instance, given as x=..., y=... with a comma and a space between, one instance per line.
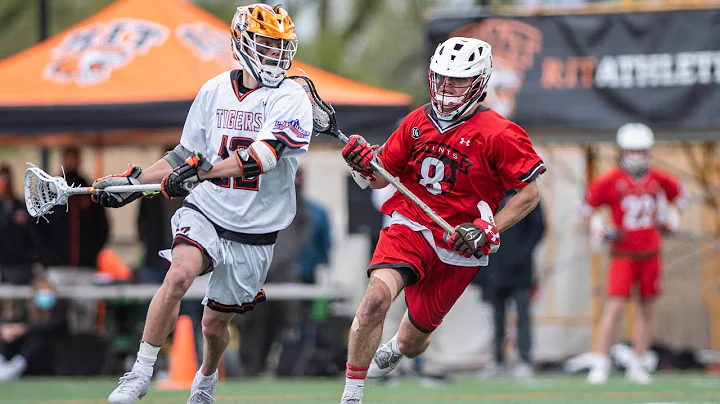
x=635, y=141
x=254, y=29
x=635, y=136
x=458, y=57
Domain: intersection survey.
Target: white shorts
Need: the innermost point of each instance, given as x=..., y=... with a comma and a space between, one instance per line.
x=237, y=270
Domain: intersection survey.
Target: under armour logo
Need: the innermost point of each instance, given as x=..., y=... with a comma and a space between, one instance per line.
x=494, y=236
x=185, y=230
x=465, y=142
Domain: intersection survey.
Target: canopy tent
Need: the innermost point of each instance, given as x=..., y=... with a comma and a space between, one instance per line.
x=139, y=64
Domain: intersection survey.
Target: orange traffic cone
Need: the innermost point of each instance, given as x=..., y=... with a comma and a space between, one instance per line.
x=183, y=357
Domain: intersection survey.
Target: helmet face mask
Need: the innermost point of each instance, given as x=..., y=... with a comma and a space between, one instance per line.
x=458, y=76
x=264, y=42
x=635, y=162
x=449, y=95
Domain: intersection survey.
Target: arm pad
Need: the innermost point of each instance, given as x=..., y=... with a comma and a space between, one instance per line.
x=260, y=157
x=177, y=156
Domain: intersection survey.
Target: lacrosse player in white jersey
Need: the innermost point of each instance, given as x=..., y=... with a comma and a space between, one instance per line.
x=235, y=166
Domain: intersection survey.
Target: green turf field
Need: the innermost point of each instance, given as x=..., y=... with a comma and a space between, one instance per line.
x=667, y=389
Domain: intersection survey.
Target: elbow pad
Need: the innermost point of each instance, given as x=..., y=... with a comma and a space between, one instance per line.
x=177, y=156
x=260, y=157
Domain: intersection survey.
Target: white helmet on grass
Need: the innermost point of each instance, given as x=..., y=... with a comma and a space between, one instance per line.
x=458, y=57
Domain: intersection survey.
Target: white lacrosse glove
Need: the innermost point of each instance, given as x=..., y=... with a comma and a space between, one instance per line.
x=599, y=233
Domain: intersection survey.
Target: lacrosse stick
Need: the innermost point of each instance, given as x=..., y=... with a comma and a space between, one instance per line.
x=43, y=192
x=324, y=122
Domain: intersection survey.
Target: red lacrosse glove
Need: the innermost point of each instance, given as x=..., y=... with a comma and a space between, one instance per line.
x=358, y=153
x=478, y=235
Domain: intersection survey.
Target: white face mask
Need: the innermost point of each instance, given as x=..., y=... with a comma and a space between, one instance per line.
x=635, y=162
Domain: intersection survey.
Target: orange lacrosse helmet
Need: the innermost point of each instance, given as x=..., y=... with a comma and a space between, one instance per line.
x=264, y=42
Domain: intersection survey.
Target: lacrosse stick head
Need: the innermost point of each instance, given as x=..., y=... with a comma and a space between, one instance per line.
x=43, y=191
x=323, y=113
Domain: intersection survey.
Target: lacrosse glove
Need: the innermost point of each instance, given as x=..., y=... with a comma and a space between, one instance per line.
x=358, y=153
x=478, y=235
x=116, y=200
x=184, y=178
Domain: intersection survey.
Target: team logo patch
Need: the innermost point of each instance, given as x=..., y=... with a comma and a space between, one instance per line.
x=514, y=47
x=207, y=43
x=87, y=56
x=415, y=133
x=294, y=126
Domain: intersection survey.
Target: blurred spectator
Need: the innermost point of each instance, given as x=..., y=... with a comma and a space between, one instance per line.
x=20, y=244
x=263, y=326
x=26, y=343
x=298, y=251
x=155, y=233
x=317, y=249
x=510, y=275
x=74, y=238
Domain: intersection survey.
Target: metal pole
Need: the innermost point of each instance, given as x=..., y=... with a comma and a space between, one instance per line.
x=44, y=24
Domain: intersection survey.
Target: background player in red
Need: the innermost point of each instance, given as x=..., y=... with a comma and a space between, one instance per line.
x=641, y=200
x=459, y=157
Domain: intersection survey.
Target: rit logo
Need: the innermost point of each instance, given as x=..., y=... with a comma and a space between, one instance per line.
x=465, y=142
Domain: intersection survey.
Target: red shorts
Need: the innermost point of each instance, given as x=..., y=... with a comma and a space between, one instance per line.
x=626, y=271
x=438, y=284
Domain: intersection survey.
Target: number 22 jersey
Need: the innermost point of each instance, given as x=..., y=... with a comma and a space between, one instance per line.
x=634, y=204
x=456, y=168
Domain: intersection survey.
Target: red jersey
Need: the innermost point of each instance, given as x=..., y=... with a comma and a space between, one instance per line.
x=634, y=205
x=453, y=169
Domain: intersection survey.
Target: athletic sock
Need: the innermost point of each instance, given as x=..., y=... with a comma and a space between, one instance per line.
x=354, y=381
x=394, y=347
x=147, y=355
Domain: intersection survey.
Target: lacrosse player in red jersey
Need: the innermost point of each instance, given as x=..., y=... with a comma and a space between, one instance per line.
x=252, y=126
x=643, y=201
x=458, y=157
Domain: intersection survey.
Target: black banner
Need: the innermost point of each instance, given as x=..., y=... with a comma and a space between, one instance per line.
x=602, y=70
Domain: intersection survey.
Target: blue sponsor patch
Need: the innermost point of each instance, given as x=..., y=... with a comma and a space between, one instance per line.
x=294, y=126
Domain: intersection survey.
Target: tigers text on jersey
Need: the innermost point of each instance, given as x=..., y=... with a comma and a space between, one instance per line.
x=456, y=170
x=222, y=120
x=634, y=204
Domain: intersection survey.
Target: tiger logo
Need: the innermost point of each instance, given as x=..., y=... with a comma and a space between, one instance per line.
x=514, y=47
x=87, y=56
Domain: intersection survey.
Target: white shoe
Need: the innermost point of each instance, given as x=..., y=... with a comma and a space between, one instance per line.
x=384, y=361
x=12, y=369
x=523, y=370
x=599, y=371
x=203, y=394
x=490, y=371
x=133, y=386
x=637, y=375
x=353, y=396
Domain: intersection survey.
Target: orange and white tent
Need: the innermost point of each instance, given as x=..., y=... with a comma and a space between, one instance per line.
x=139, y=64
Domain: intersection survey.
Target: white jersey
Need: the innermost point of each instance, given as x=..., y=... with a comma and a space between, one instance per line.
x=220, y=121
